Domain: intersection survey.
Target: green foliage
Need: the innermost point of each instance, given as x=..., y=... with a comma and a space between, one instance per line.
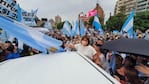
x=141, y=21
x=91, y=20
x=115, y=22
x=60, y=25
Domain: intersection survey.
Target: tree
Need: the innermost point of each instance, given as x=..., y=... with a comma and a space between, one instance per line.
x=115, y=22
x=141, y=21
x=91, y=20
x=60, y=25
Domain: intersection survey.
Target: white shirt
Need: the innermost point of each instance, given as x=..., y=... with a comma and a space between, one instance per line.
x=88, y=51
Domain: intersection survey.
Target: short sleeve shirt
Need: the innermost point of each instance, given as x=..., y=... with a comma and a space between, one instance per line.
x=88, y=51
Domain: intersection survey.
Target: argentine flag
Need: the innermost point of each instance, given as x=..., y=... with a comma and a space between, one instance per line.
x=75, y=30
x=97, y=25
x=28, y=35
x=82, y=28
x=19, y=18
x=128, y=25
x=66, y=29
x=47, y=25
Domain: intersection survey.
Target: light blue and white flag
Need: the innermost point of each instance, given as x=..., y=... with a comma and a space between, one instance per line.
x=66, y=29
x=97, y=25
x=34, y=12
x=47, y=25
x=19, y=18
x=128, y=25
x=4, y=36
x=28, y=35
x=9, y=1
x=75, y=30
x=82, y=28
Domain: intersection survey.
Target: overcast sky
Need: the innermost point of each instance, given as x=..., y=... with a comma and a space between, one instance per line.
x=67, y=9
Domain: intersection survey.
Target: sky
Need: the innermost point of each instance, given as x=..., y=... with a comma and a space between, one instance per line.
x=67, y=9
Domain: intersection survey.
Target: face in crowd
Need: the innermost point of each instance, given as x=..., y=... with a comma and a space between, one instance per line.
x=85, y=41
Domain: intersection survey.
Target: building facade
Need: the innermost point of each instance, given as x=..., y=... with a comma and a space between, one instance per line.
x=100, y=12
x=142, y=5
x=52, y=23
x=125, y=6
x=58, y=19
x=129, y=6
x=118, y=6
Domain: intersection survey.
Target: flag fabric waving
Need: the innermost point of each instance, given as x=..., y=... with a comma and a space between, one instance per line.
x=29, y=36
x=128, y=25
x=82, y=28
x=48, y=25
x=75, y=30
x=92, y=13
x=66, y=29
x=97, y=25
x=19, y=18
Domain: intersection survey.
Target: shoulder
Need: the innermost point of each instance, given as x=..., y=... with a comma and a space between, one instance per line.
x=90, y=47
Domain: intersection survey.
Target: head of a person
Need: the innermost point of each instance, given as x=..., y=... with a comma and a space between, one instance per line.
x=118, y=60
x=10, y=48
x=7, y=44
x=129, y=62
x=85, y=41
x=96, y=47
x=131, y=76
x=26, y=47
x=99, y=42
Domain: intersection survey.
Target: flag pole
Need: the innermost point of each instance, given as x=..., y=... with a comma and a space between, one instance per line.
x=79, y=22
x=6, y=36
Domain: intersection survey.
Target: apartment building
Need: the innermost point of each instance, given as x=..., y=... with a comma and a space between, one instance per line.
x=142, y=5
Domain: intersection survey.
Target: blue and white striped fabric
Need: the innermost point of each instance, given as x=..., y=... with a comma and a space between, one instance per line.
x=128, y=25
x=75, y=30
x=4, y=36
x=28, y=35
x=9, y=1
x=97, y=25
x=66, y=29
x=19, y=18
x=82, y=28
x=47, y=25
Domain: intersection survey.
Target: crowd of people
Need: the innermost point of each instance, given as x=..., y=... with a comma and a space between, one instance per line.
x=127, y=68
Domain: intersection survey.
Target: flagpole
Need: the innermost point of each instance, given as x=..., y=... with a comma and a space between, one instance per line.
x=6, y=36
x=79, y=22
